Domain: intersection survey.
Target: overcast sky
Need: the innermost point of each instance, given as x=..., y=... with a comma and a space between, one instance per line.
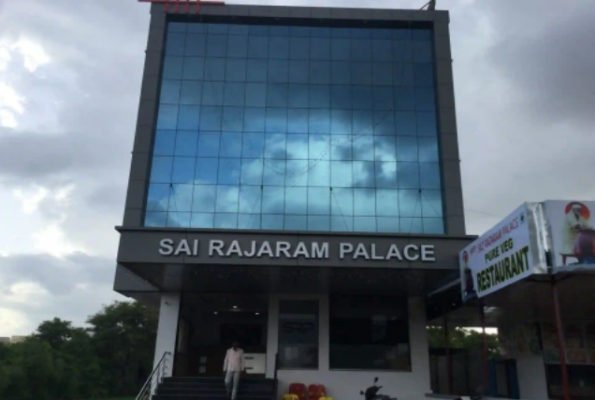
x=70, y=74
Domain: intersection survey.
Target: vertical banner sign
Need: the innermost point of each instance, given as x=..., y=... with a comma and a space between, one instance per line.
x=498, y=258
x=572, y=232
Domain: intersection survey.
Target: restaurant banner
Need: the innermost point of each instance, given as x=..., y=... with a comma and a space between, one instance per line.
x=505, y=254
x=572, y=232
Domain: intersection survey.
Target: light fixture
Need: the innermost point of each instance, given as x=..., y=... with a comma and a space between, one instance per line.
x=257, y=313
x=215, y=313
x=235, y=307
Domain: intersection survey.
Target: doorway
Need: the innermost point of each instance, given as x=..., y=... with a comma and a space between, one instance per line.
x=209, y=324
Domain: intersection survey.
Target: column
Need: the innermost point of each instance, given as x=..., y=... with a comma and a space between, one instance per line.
x=167, y=330
x=418, y=339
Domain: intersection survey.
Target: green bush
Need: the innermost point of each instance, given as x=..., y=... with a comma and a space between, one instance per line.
x=59, y=362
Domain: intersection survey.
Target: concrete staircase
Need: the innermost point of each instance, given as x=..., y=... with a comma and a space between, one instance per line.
x=194, y=388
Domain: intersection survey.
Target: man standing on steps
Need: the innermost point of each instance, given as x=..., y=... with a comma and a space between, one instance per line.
x=233, y=367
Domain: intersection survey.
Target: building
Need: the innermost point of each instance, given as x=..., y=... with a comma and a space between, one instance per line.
x=295, y=185
x=533, y=271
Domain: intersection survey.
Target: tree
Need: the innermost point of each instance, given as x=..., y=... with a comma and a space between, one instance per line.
x=55, y=332
x=123, y=335
x=29, y=371
x=61, y=362
x=461, y=338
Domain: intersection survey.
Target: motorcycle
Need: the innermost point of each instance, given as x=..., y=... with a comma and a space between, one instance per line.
x=371, y=393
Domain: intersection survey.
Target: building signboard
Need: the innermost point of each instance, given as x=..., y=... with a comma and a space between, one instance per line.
x=572, y=232
x=507, y=253
x=285, y=249
x=156, y=246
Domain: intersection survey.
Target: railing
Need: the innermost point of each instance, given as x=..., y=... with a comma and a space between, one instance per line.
x=155, y=378
x=276, y=382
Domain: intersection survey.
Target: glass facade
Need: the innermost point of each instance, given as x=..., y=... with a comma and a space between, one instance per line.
x=296, y=128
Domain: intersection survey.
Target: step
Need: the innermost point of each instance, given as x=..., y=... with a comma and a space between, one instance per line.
x=209, y=397
x=217, y=386
x=208, y=391
x=214, y=379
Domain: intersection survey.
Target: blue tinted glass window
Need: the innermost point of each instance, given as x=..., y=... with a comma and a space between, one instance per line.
x=191, y=93
x=278, y=71
x=227, y=199
x=183, y=170
x=196, y=45
x=214, y=69
x=158, y=197
x=320, y=72
x=164, y=143
x=210, y=118
x=193, y=68
x=299, y=48
x=216, y=46
x=297, y=128
x=237, y=46
x=204, y=198
x=299, y=71
x=235, y=70
x=207, y=170
x=361, y=50
x=252, y=171
x=174, y=45
x=233, y=119
x=234, y=94
x=170, y=92
x=279, y=48
x=231, y=145
x=186, y=142
x=256, y=71
x=188, y=117
x=208, y=144
x=258, y=47
x=167, y=117
x=341, y=72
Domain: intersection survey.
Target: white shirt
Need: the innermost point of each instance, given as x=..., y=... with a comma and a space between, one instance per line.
x=234, y=360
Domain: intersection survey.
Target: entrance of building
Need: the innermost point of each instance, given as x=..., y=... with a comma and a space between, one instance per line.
x=209, y=324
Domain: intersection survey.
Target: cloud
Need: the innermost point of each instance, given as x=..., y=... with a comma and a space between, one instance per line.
x=36, y=287
x=70, y=81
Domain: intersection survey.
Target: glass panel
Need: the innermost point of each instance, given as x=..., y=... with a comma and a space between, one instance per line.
x=252, y=171
x=319, y=201
x=161, y=169
x=298, y=334
x=164, y=143
x=296, y=200
x=369, y=332
x=202, y=220
x=183, y=170
x=158, y=197
x=204, y=198
x=227, y=199
x=297, y=127
x=207, y=170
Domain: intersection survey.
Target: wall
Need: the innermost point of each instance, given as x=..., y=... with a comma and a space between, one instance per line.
x=532, y=379
x=167, y=329
x=347, y=384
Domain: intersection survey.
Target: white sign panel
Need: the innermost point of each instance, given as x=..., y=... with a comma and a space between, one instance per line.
x=498, y=258
x=572, y=231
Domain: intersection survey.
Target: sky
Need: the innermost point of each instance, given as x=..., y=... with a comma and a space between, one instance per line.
x=70, y=76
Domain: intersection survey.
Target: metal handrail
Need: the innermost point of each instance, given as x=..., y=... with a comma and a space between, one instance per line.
x=154, y=379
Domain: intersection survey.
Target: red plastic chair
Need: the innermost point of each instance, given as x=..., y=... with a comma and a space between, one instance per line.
x=315, y=392
x=299, y=389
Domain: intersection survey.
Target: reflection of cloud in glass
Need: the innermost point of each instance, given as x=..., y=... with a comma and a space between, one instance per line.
x=313, y=135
